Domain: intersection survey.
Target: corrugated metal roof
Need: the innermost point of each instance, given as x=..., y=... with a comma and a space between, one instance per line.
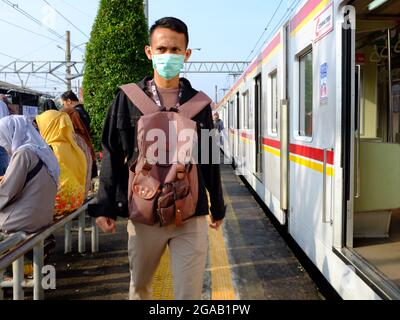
x=10, y=86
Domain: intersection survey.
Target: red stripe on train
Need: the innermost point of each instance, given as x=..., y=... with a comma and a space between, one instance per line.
x=303, y=151
x=303, y=13
x=312, y=153
x=272, y=143
x=271, y=47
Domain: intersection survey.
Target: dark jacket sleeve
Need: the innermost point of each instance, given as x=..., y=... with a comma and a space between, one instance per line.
x=112, y=194
x=212, y=173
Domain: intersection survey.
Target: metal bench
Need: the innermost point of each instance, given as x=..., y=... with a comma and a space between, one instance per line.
x=16, y=246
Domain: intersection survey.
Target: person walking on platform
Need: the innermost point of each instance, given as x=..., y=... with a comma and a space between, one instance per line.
x=219, y=126
x=166, y=202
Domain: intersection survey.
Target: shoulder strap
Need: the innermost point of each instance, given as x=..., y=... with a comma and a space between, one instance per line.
x=195, y=105
x=31, y=174
x=137, y=96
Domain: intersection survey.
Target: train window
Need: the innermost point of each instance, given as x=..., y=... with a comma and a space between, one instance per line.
x=238, y=124
x=274, y=102
x=231, y=115
x=258, y=134
x=306, y=95
x=250, y=108
x=246, y=110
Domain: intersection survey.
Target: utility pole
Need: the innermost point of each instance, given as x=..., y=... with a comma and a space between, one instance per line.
x=146, y=10
x=68, y=60
x=216, y=94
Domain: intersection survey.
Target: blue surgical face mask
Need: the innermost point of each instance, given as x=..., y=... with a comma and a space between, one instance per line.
x=168, y=66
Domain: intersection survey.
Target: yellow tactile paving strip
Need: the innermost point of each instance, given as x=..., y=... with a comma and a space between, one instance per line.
x=163, y=287
x=221, y=278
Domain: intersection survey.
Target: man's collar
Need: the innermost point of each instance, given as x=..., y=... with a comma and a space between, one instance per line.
x=185, y=83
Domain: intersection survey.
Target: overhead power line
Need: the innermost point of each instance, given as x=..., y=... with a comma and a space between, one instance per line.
x=286, y=15
x=29, y=16
x=6, y=55
x=65, y=18
x=77, y=9
x=265, y=29
x=32, y=18
x=27, y=30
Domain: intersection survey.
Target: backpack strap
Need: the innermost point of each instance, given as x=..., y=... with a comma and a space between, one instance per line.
x=31, y=174
x=140, y=99
x=195, y=105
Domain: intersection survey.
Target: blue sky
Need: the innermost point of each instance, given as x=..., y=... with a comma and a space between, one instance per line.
x=223, y=29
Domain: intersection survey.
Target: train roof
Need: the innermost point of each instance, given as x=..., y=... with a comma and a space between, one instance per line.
x=15, y=88
x=298, y=14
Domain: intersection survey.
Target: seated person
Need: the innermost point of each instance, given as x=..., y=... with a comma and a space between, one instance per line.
x=4, y=159
x=57, y=130
x=84, y=141
x=29, y=187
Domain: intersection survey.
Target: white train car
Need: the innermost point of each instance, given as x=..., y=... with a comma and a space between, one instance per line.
x=314, y=127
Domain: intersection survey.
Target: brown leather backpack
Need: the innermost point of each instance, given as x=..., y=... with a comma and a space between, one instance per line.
x=163, y=182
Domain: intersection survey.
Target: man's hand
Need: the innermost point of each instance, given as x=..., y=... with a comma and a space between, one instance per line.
x=215, y=224
x=107, y=225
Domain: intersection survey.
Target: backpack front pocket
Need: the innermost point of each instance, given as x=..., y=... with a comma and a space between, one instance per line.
x=143, y=202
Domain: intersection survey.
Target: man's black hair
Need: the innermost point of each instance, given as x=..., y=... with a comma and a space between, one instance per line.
x=173, y=24
x=69, y=95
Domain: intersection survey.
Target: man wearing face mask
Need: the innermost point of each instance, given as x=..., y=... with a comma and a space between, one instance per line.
x=188, y=244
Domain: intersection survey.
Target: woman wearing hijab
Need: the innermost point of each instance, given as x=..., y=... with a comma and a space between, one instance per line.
x=49, y=105
x=84, y=141
x=57, y=130
x=4, y=159
x=29, y=187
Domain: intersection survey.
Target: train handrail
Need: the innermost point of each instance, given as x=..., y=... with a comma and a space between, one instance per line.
x=35, y=242
x=11, y=241
x=32, y=240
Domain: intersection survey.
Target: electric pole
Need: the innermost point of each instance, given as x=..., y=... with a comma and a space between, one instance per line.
x=68, y=60
x=216, y=94
x=146, y=10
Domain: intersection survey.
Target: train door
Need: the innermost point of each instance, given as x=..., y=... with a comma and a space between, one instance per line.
x=371, y=143
x=243, y=133
x=258, y=128
x=237, y=156
x=231, y=115
x=284, y=120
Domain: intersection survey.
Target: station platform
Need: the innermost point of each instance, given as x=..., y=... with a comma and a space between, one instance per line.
x=248, y=260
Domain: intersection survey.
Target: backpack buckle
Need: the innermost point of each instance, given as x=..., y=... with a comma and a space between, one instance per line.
x=146, y=168
x=181, y=171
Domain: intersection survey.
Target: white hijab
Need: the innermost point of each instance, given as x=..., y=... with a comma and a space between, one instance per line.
x=3, y=110
x=17, y=132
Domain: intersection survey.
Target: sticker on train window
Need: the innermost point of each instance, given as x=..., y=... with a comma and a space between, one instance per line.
x=324, y=83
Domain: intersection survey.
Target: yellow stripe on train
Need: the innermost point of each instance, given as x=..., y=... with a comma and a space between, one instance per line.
x=312, y=165
x=310, y=17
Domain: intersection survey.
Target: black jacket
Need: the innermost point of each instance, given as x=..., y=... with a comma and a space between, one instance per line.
x=84, y=116
x=120, y=149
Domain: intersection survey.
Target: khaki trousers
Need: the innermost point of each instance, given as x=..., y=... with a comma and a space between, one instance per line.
x=188, y=246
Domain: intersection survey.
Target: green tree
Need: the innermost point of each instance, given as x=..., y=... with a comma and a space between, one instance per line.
x=114, y=56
